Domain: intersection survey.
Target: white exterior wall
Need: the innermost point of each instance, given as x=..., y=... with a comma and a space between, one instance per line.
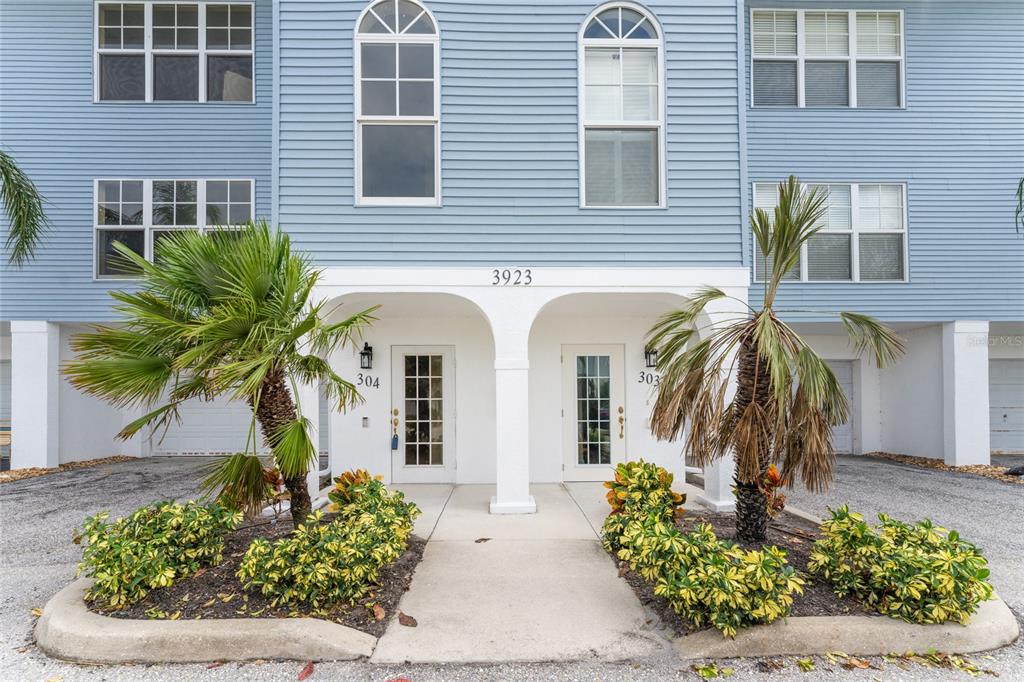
x=355, y=446
x=550, y=332
x=866, y=405
x=88, y=426
x=912, y=404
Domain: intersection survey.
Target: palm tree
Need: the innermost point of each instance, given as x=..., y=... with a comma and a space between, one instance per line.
x=786, y=399
x=227, y=313
x=24, y=207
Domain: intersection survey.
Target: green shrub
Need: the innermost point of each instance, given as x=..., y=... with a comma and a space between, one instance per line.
x=152, y=548
x=705, y=580
x=640, y=489
x=919, y=573
x=321, y=564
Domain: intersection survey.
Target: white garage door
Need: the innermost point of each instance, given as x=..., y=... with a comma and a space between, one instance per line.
x=207, y=428
x=1006, y=405
x=842, y=435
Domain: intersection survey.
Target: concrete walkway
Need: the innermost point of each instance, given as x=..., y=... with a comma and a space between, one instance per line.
x=539, y=588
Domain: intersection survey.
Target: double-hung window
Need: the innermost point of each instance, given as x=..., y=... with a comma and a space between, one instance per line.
x=621, y=119
x=862, y=238
x=397, y=55
x=174, y=52
x=826, y=58
x=141, y=213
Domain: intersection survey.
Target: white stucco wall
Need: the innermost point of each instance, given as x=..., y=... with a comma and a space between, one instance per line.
x=550, y=333
x=912, y=396
x=355, y=446
x=87, y=425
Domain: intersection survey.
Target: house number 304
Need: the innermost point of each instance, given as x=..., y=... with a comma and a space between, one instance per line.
x=367, y=381
x=511, y=278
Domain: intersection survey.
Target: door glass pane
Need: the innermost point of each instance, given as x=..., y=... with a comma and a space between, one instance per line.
x=424, y=426
x=593, y=409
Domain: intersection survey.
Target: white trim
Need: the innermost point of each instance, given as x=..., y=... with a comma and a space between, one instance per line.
x=147, y=226
x=855, y=231
x=359, y=120
x=659, y=125
x=148, y=51
x=851, y=58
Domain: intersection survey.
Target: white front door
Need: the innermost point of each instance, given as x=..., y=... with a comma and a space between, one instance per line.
x=593, y=413
x=423, y=414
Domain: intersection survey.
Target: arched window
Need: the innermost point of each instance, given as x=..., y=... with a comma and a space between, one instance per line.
x=621, y=108
x=397, y=109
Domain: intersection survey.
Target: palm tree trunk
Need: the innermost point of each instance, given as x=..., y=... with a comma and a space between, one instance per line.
x=752, y=383
x=275, y=409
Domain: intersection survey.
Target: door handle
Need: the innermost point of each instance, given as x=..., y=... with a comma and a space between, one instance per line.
x=622, y=423
x=394, y=429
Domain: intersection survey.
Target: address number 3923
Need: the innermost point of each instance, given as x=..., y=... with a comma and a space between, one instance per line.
x=511, y=277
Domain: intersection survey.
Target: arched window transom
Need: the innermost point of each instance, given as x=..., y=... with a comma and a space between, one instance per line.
x=397, y=105
x=621, y=108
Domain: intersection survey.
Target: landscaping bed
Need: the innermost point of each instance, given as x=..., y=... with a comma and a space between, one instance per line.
x=790, y=534
x=34, y=472
x=215, y=592
x=992, y=471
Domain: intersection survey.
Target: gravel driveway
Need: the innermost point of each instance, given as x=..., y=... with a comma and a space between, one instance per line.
x=38, y=516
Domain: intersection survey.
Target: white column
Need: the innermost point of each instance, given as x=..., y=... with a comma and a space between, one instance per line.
x=510, y=324
x=308, y=399
x=35, y=382
x=718, y=478
x=965, y=392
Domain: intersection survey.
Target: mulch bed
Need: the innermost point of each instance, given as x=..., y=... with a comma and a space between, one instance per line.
x=789, y=533
x=33, y=472
x=215, y=592
x=987, y=470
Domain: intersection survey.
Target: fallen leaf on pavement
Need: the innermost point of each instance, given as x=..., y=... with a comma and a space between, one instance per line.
x=859, y=663
x=407, y=620
x=378, y=612
x=479, y=540
x=215, y=665
x=307, y=671
x=37, y=612
x=623, y=570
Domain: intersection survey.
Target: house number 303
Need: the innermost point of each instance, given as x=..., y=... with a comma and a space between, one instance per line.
x=511, y=277
x=649, y=378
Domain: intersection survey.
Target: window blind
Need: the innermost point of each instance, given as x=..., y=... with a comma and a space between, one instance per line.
x=774, y=84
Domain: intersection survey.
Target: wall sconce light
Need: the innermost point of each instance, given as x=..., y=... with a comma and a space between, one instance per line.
x=366, y=357
x=651, y=357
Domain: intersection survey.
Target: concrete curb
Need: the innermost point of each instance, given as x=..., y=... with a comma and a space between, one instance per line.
x=993, y=626
x=70, y=631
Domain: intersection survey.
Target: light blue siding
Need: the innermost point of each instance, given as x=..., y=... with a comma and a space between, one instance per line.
x=509, y=148
x=958, y=145
x=63, y=140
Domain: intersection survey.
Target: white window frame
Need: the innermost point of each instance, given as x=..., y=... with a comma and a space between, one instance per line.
x=855, y=231
x=148, y=51
x=147, y=226
x=801, y=58
x=360, y=120
x=584, y=124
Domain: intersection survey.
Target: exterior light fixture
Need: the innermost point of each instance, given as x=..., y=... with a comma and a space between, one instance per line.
x=366, y=357
x=651, y=357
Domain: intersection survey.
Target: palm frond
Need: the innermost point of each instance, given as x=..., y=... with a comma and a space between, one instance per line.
x=238, y=480
x=293, y=449
x=868, y=334
x=23, y=205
